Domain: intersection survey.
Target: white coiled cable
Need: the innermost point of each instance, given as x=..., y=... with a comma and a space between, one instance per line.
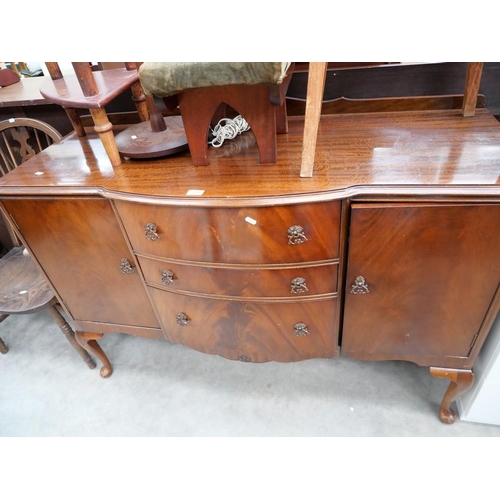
x=228, y=128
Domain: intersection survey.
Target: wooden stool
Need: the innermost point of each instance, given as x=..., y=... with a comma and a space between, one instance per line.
x=93, y=91
x=262, y=105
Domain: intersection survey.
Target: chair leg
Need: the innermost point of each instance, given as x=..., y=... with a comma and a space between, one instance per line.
x=70, y=335
x=3, y=348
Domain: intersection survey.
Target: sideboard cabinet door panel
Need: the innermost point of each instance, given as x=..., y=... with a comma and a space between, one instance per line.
x=420, y=279
x=80, y=245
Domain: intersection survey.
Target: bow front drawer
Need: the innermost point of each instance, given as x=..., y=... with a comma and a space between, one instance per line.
x=250, y=331
x=251, y=235
x=242, y=281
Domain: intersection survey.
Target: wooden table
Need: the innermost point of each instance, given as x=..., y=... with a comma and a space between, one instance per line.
x=23, y=100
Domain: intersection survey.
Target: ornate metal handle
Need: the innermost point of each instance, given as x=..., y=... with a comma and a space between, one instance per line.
x=300, y=330
x=167, y=277
x=298, y=285
x=296, y=235
x=360, y=286
x=245, y=359
x=181, y=319
x=125, y=267
x=150, y=232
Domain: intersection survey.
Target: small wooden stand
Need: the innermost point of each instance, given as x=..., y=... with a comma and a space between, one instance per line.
x=160, y=136
x=93, y=90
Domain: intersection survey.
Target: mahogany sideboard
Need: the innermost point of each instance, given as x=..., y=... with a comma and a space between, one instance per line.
x=391, y=251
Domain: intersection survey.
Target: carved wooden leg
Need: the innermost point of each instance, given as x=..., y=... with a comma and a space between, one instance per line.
x=460, y=382
x=89, y=342
x=70, y=335
x=105, y=130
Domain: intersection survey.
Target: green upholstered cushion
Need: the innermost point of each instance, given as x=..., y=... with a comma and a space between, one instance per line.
x=162, y=79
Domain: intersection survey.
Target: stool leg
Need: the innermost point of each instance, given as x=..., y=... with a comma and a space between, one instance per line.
x=105, y=130
x=3, y=348
x=197, y=109
x=76, y=121
x=251, y=101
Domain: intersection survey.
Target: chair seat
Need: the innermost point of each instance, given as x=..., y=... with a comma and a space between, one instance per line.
x=22, y=289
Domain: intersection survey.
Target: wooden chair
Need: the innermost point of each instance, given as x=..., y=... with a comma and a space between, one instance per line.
x=23, y=289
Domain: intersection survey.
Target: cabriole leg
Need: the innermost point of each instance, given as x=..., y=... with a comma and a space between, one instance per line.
x=89, y=342
x=460, y=382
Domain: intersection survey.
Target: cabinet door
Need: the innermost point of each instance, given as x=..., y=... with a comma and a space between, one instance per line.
x=80, y=246
x=420, y=279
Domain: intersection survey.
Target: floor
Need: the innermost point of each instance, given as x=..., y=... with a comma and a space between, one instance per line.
x=160, y=389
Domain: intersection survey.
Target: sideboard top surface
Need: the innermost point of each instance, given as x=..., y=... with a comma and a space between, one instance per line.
x=425, y=152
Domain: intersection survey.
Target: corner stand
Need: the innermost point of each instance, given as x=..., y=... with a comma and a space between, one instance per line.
x=160, y=136
x=93, y=90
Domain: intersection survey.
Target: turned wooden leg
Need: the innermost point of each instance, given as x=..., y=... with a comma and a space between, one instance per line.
x=70, y=335
x=76, y=121
x=3, y=348
x=460, y=382
x=140, y=102
x=89, y=342
x=105, y=130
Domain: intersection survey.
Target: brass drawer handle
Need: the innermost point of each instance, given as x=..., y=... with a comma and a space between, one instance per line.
x=125, y=267
x=298, y=285
x=296, y=235
x=181, y=319
x=300, y=330
x=167, y=277
x=150, y=232
x=360, y=286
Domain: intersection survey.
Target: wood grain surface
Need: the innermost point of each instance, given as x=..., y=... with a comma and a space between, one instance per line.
x=424, y=153
x=80, y=246
x=432, y=273
x=245, y=235
x=257, y=331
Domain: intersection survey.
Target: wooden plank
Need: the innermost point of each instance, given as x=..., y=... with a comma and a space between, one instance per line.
x=472, y=82
x=315, y=89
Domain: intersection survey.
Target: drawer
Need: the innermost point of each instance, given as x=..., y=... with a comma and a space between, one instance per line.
x=250, y=331
x=262, y=235
x=243, y=281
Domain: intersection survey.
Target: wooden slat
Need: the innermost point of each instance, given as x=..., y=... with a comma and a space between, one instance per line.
x=315, y=89
x=472, y=82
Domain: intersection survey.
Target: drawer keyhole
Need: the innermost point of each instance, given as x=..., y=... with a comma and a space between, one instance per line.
x=360, y=286
x=298, y=285
x=296, y=235
x=181, y=319
x=167, y=277
x=300, y=330
x=150, y=231
x=125, y=267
